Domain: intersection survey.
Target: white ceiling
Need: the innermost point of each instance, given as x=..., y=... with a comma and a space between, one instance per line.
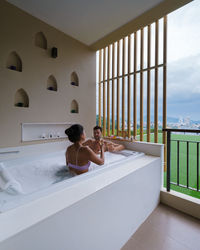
x=86, y=20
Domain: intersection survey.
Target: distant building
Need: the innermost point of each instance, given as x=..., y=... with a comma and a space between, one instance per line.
x=187, y=121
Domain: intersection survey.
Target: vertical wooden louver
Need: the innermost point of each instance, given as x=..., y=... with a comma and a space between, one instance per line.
x=135, y=88
x=108, y=92
x=118, y=89
x=149, y=84
x=126, y=82
x=123, y=86
x=129, y=88
x=113, y=89
x=165, y=86
x=100, y=71
x=156, y=83
x=104, y=92
x=141, y=82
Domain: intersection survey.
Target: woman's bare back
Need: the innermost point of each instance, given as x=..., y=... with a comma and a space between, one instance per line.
x=77, y=156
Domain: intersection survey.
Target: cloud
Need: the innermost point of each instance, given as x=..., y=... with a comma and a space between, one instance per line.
x=184, y=76
x=183, y=31
x=184, y=87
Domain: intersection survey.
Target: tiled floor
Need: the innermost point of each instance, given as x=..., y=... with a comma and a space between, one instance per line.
x=166, y=229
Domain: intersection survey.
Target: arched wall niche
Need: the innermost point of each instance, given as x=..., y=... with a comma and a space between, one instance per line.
x=14, y=62
x=21, y=99
x=52, y=83
x=74, y=107
x=40, y=40
x=74, y=79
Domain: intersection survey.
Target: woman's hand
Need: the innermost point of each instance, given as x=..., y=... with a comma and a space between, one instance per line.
x=94, y=158
x=101, y=143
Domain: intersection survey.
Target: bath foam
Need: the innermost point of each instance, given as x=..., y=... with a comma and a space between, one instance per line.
x=8, y=183
x=39, y=174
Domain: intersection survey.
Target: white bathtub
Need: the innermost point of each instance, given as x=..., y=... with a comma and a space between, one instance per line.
x=38, y=173
x=103, y=207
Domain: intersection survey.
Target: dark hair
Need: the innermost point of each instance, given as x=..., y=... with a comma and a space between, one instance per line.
x=74, y=132
x=97, y=127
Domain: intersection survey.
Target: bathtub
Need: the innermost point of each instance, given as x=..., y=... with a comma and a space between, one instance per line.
x=100, y=209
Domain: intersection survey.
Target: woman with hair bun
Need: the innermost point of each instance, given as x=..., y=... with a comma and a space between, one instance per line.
x=79, y=157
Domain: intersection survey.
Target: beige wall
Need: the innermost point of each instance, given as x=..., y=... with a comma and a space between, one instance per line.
x=17, y=32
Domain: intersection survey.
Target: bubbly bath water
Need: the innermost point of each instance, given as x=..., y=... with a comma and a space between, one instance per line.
x=39, y=173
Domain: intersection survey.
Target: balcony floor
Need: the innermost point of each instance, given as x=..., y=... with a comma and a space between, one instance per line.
x=166, y=229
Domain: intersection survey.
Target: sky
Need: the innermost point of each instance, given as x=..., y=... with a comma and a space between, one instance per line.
x=183, y=74
x=183, y=64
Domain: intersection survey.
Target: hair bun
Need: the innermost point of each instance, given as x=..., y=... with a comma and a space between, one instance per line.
x=69, y=131
x=74, y=132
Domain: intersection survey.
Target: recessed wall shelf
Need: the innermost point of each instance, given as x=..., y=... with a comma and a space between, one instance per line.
x=52, y=83
x=74, y=107
x=40, y=40
x=21, y=99
x=43, y=131
x=74, y=79
x=14, y=62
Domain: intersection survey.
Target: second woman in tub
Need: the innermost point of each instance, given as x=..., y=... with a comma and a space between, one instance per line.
x=78, y=156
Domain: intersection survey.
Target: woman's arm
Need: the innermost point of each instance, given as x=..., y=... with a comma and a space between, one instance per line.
x=94, y=158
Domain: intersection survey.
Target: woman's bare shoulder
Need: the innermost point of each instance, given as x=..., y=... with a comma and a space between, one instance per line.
x=86, y=150
x=69, y=148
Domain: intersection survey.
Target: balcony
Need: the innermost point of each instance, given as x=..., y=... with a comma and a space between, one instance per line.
x=183, y=161
x=166, y=229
